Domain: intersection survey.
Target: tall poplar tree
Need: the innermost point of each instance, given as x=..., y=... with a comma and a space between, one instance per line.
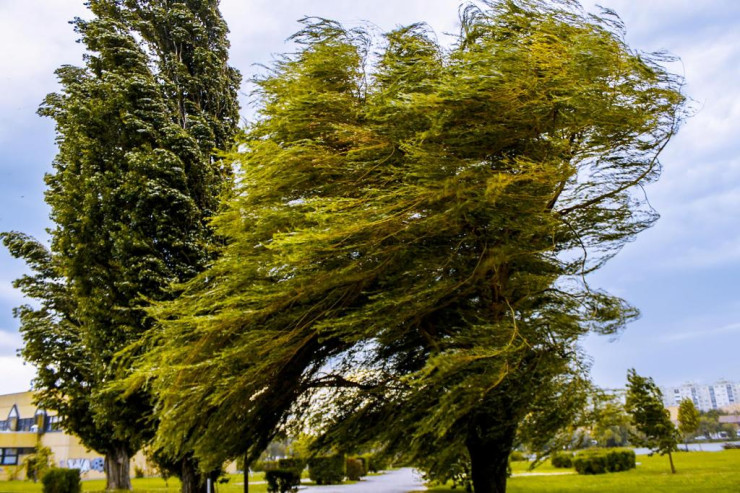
x=134, y=184
x=414, y=230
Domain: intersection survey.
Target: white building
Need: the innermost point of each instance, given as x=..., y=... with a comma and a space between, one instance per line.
x=705, y=397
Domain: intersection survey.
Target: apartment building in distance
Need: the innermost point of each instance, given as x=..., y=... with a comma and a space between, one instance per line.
x=721, y=395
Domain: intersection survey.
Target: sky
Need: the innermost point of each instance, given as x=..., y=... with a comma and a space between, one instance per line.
x=682, y=274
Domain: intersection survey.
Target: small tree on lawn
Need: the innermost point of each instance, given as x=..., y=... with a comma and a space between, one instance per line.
x=652, y=421
x=688, y=419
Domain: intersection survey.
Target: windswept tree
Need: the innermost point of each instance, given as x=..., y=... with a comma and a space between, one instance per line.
x=413, y=230
x=652, y=421
x=134, y=183
x=688, y=419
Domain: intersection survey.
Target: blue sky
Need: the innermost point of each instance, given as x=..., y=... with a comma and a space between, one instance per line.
x=683, y=273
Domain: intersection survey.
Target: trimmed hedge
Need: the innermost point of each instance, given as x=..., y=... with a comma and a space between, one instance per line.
x=57, y=480
x=327, y=470
x=562, y=460
x=355, y=469
x=282, y=480
x=600, y=461
x=292, y=464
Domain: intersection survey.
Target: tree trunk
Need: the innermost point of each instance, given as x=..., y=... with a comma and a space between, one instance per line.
x=489, y=444
x=117, y=469
x=670, y=458
x=246, y=472
x=191, y=478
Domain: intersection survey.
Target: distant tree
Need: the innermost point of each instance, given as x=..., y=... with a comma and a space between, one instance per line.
x=134, y=183
x=611, y=427
x=413, y=229
x=651, y=420
x=688, y=419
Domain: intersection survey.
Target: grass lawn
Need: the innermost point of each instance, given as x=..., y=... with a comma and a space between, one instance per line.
x=142, y=485
x=697, y=472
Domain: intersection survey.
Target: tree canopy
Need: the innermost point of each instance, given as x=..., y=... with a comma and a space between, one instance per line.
x=651, y=420
x=134, y=182
x=412, y=227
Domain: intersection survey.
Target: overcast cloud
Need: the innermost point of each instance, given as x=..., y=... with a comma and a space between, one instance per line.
x=682, y=273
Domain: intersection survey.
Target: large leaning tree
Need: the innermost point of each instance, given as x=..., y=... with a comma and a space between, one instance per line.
x=133, y=185
x=412, y=227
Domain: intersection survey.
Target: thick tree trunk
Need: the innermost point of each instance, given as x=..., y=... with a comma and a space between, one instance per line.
x=246, y=472
x=489, y=443
x=191, y=478
x=117, y=469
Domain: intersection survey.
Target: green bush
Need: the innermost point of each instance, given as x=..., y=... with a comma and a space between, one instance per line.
x=376, y=462
x=517, y=456
x=292, y=464
x=354, y=469
x=620, y=460
x=604, y=460
x=562, y=460
x=327, y=470
x=265, y=465
x=58, y=480
x=282, y=480
x=138, y=472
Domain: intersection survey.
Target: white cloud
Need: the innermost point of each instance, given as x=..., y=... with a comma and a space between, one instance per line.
x=701, y=333
x=9, y=342
x=16, y=377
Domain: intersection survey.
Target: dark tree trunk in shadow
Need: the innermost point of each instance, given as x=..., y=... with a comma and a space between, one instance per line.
x=489, y=443
x=191, y=478
x=117, y=469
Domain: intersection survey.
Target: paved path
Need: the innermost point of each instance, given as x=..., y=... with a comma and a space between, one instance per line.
x=397, y=481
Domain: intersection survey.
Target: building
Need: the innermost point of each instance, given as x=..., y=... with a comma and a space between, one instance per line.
x=719, y=395
x=23, y=425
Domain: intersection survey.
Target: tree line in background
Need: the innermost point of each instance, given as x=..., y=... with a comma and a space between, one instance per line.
x=393, y=256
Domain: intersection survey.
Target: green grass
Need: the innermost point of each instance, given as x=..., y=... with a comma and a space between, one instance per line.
x=142, y=485
x=697, y=472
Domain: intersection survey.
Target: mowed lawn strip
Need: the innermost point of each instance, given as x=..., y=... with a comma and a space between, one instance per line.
x=697, y=472
x=143, y=485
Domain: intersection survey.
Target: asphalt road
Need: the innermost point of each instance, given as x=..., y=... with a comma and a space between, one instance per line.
x=396, y=481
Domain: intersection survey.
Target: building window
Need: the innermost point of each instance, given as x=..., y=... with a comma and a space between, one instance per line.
x=25, y=424
x=53, y=423
x=3, y=426
x=9, y=456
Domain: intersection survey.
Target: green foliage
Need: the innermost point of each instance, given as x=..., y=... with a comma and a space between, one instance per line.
x=600, y=461
x=562, y=460
x=688, y=418
x=39, y=462
x=517, y=456
x=611, y=426
x=650, y=419
x=422, y=219
x=133, y=186
x=327, y=470
x=292, y=464
x=282, y=480
x=354, y=468
x=58, y=480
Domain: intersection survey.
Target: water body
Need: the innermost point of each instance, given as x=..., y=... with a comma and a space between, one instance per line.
x=693, y=447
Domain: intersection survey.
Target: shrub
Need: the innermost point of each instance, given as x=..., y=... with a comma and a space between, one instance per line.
x=354, y=469
x=562, y=460
x=517, y=456
x=138, y=472
x=58, y=480
x=376, y=462
x=620, y=460
x=590, y=463
x=264, y=465
x=282, y=480
x=601, y=461
x=292, y=464
x=327, y=470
